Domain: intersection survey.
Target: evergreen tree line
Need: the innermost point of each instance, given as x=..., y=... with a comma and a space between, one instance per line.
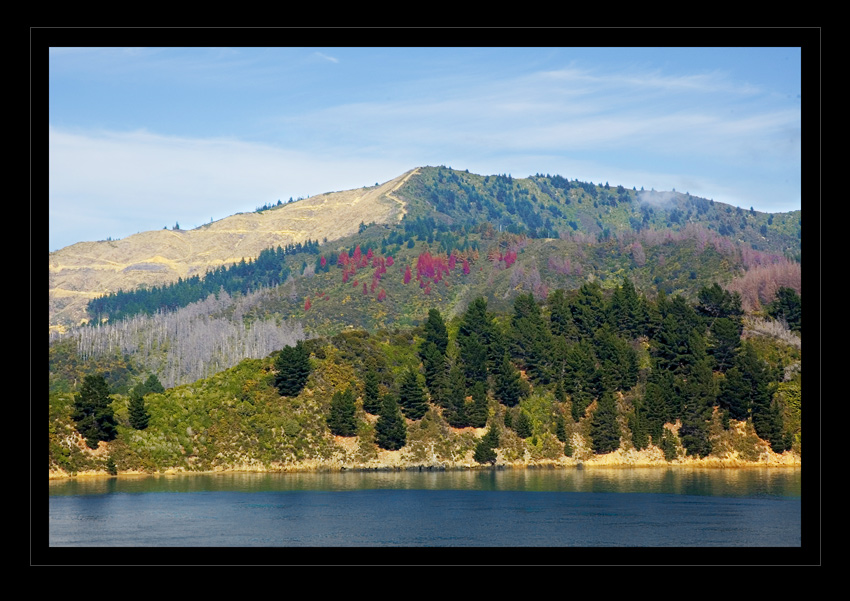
x=269, y=269
x=584, y=347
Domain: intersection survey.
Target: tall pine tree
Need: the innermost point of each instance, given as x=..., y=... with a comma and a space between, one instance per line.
x=293, y=368
x=412, y=398
x=390, y=429
x=508, y=386
x=473, y=340
x=341, y=419
x=478, y=412
x=371, y=399
x=531, y=338
x=93, y=411
x=604, y=430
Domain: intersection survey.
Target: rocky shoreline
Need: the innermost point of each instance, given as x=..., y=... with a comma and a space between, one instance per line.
x=398, y=461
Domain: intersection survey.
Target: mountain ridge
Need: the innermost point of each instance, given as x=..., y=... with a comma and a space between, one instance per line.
x=85, y=270
x=437, y=197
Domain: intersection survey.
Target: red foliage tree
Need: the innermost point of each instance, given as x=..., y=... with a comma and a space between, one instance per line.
x=307, y=304
x=407, y=275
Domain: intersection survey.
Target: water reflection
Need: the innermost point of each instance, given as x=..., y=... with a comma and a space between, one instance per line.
x=784, y=482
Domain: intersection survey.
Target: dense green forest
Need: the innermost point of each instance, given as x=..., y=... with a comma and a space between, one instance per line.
x=614, y=368
x=269, y=269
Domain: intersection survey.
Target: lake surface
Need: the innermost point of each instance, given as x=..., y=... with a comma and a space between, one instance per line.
x=567, y=508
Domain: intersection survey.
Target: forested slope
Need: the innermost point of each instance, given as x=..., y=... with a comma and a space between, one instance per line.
x=604, y=321
x=582, y=375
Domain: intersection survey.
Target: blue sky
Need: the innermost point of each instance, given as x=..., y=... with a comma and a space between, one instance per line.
x=142, y=138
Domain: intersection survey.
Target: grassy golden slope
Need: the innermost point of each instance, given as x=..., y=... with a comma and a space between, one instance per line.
x=85, y=270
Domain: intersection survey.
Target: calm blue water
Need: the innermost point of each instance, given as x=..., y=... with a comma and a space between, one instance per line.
x=647, y=507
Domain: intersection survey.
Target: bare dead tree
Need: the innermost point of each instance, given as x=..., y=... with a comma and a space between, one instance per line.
x=194, y=342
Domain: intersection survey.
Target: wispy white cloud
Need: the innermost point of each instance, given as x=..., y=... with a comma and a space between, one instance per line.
x=330, y=59
x=320, y=120
x=138, y=181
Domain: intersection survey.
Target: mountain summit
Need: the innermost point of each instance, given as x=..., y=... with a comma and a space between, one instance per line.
x=85, y=270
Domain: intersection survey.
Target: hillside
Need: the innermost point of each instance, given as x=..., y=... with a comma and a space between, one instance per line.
x=433, y=198
x=601, y=301
x=85, y=270
x=547, y=404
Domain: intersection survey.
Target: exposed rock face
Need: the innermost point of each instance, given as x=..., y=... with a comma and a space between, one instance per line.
x=86, y=270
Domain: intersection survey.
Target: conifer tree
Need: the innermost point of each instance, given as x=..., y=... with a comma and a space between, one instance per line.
x=454, y=394
x=619, y=362
x=478, y=412
x=411, y=396
x=604, y=431
x=152, y=384
x=624, y=310
x=744, y=391
x=341, y=420
x=531, y=338
x=679, y=343
x=668, y=445
x=435, y=331
x=293, y=369
x=434, y=348
x=473, y=341
x=508, y=388
x=560, y=319
x=588, y=309
x=714, y=302
x=560, y=428
x=433, y=362
x=93, y=412
x=371, y=400
x=657, y=403
x=522, y=426
x=580, y=377
x=390, y=429
x=755, y=393
x=787, y=306
x=485, y=450
x=638, y=426
x=767, y=422
x=138, y=413
x=724, y=341
x=698, y=394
